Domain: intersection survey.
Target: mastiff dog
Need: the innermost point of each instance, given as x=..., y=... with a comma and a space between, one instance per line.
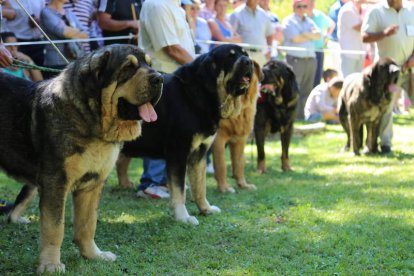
x=276, y=110
x=234, y=132
x=363, y=100
x=195, y=97
x=63, y=136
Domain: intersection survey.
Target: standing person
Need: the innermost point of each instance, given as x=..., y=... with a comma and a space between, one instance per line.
x=349, y=36
x=85, y=11
x=166, y=36
x=253, y=25
x=333, y=43
x=300, y=31
x=326, y=25
x=220, y=27
x=25, y=30
x=276, y=26
x=207, y=10
x=59, y=24
x=390, y=25
x=199, y=26
x=115, y=18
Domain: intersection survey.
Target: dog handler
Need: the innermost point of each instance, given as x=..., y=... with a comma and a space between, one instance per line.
x=390, y=24
x=166, y=36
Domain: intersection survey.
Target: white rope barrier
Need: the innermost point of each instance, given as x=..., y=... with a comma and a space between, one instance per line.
x=244, y=45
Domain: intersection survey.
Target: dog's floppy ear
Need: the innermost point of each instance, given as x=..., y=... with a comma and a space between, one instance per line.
x=258, y=71
x=98, y=63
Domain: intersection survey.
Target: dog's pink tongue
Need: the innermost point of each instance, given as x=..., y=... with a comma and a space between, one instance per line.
x=393, y=88
x=147, y=113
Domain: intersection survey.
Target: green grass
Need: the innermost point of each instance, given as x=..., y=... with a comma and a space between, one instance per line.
x=336, y=214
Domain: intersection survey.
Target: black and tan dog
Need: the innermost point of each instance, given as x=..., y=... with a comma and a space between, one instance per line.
x=276, y=110
x=195, y=97
x=234, y=132
x=363, y=100
x=63, y=136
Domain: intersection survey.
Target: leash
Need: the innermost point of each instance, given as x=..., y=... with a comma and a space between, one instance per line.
x=29, y=66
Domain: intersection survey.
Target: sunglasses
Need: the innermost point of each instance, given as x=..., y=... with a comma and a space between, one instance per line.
x=302, y=6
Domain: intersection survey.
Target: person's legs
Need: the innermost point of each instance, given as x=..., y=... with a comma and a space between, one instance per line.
x=319, y=68
x=304, y=70
x=153, y=179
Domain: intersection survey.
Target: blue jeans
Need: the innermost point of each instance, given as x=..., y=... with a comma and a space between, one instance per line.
x=154, y=173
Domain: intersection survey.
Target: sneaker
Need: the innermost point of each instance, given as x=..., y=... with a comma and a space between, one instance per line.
x=210, y=168
x=5, y=207
x=385, y=149
x=153, y=191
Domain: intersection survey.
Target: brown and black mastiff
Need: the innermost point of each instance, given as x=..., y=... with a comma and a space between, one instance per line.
x=276, y=110
x=195, y=98
x=234, y=132
x=364, y=98
x=63, y=136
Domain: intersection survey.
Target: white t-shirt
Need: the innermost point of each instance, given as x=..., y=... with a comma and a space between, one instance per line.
x=163, y=23
x=319, y=101
x=400, y=45
x=350, y=39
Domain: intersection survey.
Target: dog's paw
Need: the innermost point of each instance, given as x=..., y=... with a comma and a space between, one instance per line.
x=227, y=190
x=107, y=256
x=51, y=268
x=189, y=220
x=211, y=210
x=19, y=220
x=248, y=186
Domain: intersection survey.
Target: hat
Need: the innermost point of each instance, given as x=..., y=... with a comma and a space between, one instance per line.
x=298, y=1
x=186, y=2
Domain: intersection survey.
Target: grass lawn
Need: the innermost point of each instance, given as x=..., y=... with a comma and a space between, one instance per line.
x=336, y=214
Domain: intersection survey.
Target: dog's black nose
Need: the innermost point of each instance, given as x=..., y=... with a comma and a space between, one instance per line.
x=156, y=80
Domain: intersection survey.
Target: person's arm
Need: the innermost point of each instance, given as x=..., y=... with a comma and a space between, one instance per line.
x=35, y=75
x=6, y=58
x=374, y=37
x=8, y=12
x=314, y=34
x=218, y=35
x=178, y=53
x=106, y=22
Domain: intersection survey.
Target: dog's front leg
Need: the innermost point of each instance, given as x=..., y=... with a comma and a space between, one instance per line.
x=52, y=209
x=220, y=168
x=260, y=134
x=122, y=165
x=285, y=137
x=176, y=183
x=197, y=177
x=238, y=162
x=85, y=203
x=354, y=127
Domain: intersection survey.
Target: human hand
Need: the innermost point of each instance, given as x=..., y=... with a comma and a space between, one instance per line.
x=22, y=57
x=133, y=24
x=6, y=58
x=391, y=30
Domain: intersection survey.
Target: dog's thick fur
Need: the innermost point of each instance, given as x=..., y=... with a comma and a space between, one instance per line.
x=195, y=97
x=234, y=132
x=63, y=136
x=276, y=110
x=363, y=100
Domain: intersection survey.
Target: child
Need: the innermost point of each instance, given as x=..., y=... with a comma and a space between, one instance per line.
x=322, y=102
x=31, y=74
